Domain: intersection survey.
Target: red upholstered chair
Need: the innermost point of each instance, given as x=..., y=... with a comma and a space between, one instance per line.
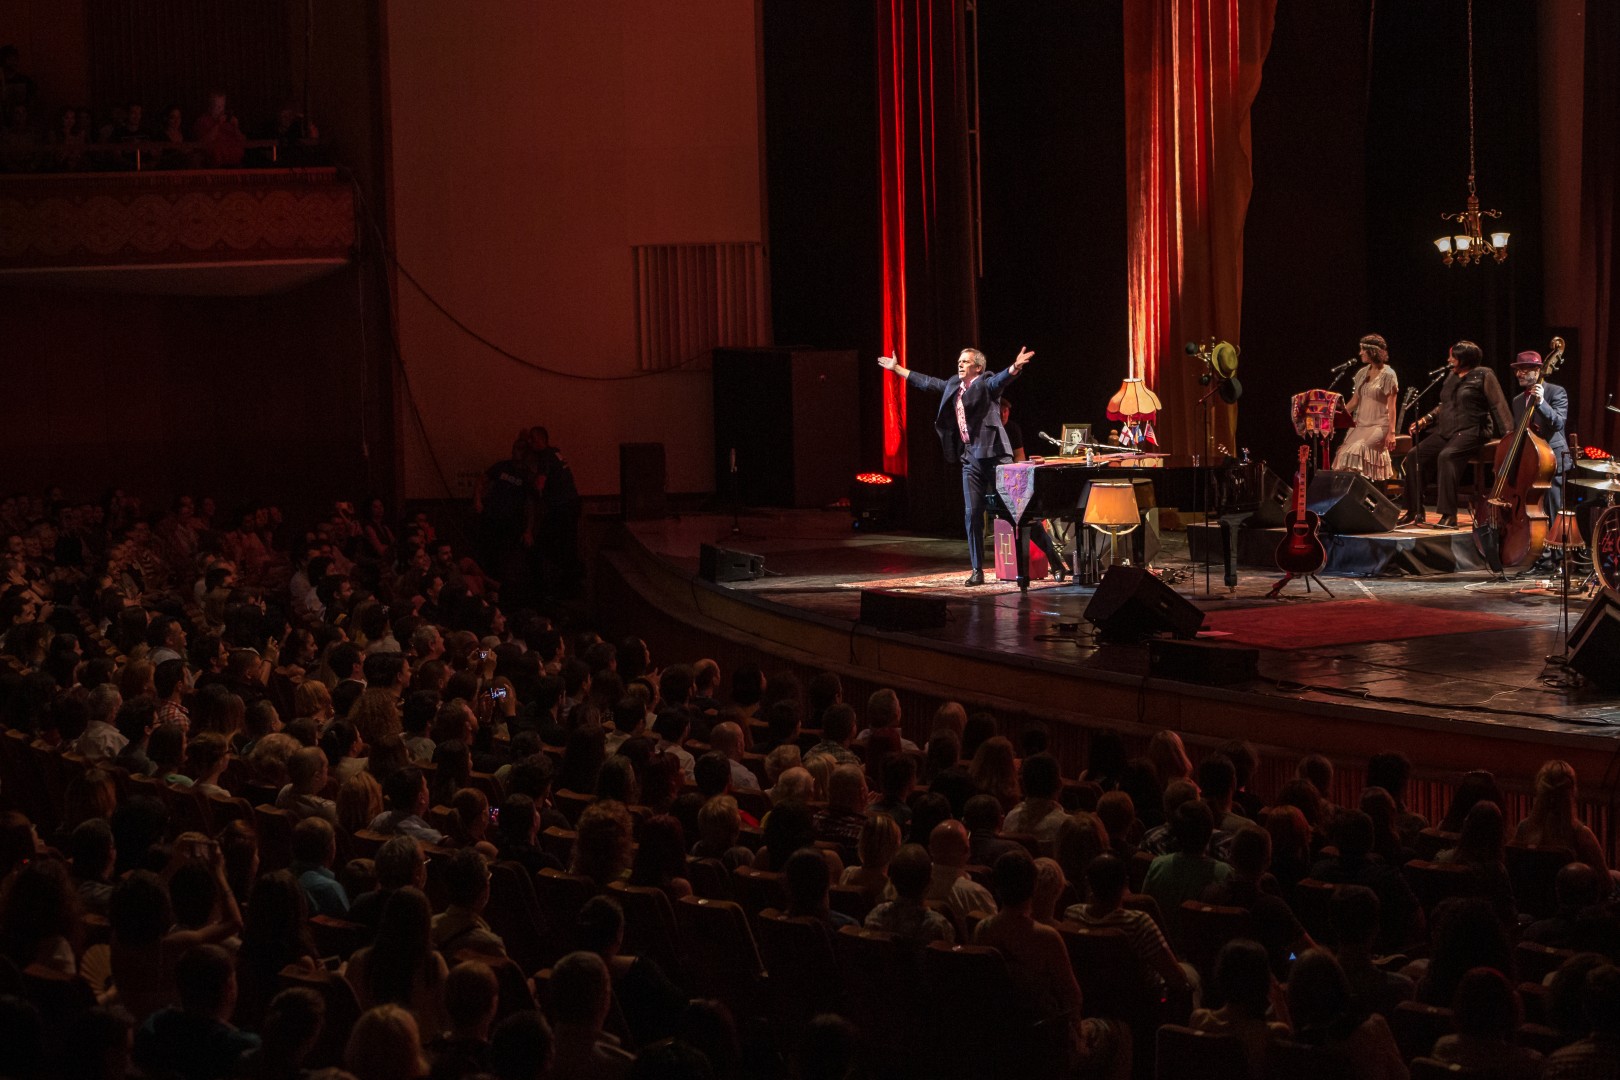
x=649, y=926
x=571, y=804
x=275, y=829
x=883, y=988
x=1431, y=842
x=514, y=913
x=1427, y=1068
x=1434, y=882
x=1114, y=982
x=1312, y=902
x=1186, y=1054
x=709, y=878
x=559, y=844
x=978, y=1026
x=725, y=962
x=1140, y=862
x=1534, y=874
x=1289, y=1060
x=850, y=900
x=561, y=896
x=342, y=1010
x=804, y=976
x=1205, y=929
x=757, y=890
x=337, y=937
x=1535, y=961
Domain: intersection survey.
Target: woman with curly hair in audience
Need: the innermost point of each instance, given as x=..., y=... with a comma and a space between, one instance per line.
x=359, y=801
x=1322, y=1013
x=660, y=861
x=1554, y=818
x=602, y=843
x=275, y=935
x=995, y=771
x=375, y=713
x=400, y=966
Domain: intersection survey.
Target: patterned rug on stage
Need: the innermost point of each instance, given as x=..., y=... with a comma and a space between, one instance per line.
x=949, y=584
x=1344, y=622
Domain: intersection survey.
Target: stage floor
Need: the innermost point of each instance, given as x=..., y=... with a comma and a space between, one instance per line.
x=1492, y=671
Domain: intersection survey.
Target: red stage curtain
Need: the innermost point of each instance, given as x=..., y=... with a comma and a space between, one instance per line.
x=1192, y=68
x=929, y=298
x=1596, y=373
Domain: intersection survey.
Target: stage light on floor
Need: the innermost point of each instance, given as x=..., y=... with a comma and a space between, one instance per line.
x=874, y=500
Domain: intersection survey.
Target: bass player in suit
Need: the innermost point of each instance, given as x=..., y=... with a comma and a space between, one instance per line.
x=1550, y=403
x=970, y=432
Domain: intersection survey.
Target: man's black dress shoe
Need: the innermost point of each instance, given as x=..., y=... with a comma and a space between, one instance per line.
x=1448, y=521
x=1411, y=518
x=1060, y=570
x=975, y=578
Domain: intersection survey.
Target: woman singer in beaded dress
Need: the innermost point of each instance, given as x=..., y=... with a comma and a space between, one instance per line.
x=1373, y=401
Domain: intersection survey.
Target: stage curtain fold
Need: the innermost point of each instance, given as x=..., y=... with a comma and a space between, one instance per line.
x=1597, y=357
x=929, y=292
x=1192, y=69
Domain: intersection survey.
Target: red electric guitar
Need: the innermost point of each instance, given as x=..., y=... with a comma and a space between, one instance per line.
x=1301, y=551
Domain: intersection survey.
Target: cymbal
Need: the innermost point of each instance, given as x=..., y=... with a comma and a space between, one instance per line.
x=1611, y=467
x=1601, y=485
x=1613, y=408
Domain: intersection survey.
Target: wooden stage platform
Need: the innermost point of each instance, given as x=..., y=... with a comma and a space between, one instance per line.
x=1483, y=697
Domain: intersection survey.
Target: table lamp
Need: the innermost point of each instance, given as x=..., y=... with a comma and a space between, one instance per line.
x=1111, y=508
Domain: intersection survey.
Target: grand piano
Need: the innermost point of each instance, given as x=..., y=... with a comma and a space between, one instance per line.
x=1028, y=491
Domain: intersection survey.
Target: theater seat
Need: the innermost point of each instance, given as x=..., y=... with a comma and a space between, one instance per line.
x=342, y=1010
x=1290, y=1060
x=1427, y=1068
x=725, y=962
x=561, y=896
x=1417, y=1026
x=1535, y=961
x=1205, y=930
x=1534, y=874
x=757, y=890
x=883, y=989
x=649, y=926
x=1114, y=982
x=1181, y=1053
x=275, y=829
x=805, y=979
x=1434, y=882
x=514, y=913
x=709, y=878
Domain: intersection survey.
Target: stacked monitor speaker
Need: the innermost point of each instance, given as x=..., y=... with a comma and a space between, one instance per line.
x=722, y=564
x=1594, y=643
x=1348, y=504
x=1131, y=604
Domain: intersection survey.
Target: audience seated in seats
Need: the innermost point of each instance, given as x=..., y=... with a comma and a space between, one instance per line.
x=517, y=836
x=471, y=998
x=359, y=802
x=841, y=822
x=727, y=739
x=898, y=779
x=1554, y=821
x=1039, y=814
x=1038, y=964
x=275, y=936
x=1356, y=922
x=1051, y=886
x=1480, y=850
x=1107, y=879
x=461, y=926
x=983, y=820
x=314, y=850
x=146, y=941
x=944, y=772
x=1488, y=1013
x=838, y=725
x=650, y=1003
x=807, y=879
x=1080, y=839
x=399, y=864
x=1323, y=1013
x=90, y=849
x=995, y=771
x=1474, y=787
x=719, y=825
x=1391, y=772
x=1250, y=887
x=788, y=828
x=1465, y=934
x=1187, y=871
x=1582, y=922
x=406, y=793
x=195, y=1039
x=1401, y=917
x=660, y=861
x=581, y=996
x=907, y=917
x=602, y=846
x=1597, y=1055
x=386, y=1044
x=879, y=842
x=1160, y=839
x=883, y=713
x=1244, y=984
x=292, y=1027
x=949, y=881
x=400, y=966
x=796, y=784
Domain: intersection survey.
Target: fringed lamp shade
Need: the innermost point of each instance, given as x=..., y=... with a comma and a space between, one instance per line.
x=1133, y=403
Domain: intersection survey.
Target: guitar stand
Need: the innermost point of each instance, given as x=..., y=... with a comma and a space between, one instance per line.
x=1276, y=590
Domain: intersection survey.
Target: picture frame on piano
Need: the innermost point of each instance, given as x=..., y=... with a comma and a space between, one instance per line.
x=1075, y=436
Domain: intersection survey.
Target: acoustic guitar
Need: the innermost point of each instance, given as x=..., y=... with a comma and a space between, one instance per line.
x=1300, y=551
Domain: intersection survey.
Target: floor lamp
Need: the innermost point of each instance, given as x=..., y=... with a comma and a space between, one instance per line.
x=1565, y=534
x=1111, y=508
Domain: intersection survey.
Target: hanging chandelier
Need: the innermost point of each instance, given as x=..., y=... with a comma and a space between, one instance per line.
x=1469, y=245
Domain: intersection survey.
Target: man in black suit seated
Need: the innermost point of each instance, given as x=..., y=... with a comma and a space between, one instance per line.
x=970, y=432
x=1549, y=404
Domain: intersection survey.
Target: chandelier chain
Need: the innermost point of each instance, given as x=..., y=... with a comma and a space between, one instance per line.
x=1470, y=97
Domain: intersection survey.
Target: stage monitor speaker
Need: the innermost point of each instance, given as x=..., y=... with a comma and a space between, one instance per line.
x=884, y=610
x=1594, y=643
x=723, y=564
x=1131, y=604
x=641, y=481
x=789, y=420
x=1348, y=504
x=1276, y=496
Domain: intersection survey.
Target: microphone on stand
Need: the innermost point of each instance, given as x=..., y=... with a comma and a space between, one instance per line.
x=1437, y=371
x=1346, y=366
x=1055, y=442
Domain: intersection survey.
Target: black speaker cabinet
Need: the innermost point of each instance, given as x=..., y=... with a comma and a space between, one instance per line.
x=789, y=420
x=1594, y=643
x=642, y=481
x=1203, y=662
x=723, y=564
x=884, y=610
x=1131, y=604
x=1348, y=504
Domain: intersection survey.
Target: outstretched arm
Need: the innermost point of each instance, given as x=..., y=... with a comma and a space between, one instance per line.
x=1001, y=378
x=914, y=378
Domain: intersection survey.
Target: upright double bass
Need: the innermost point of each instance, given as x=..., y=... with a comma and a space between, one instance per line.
x=1510, y=523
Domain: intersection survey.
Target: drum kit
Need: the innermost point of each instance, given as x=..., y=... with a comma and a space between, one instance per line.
x=1605, y=543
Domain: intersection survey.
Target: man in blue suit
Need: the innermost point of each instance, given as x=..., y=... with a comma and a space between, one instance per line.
x=1550, y=403
x=970, y=432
